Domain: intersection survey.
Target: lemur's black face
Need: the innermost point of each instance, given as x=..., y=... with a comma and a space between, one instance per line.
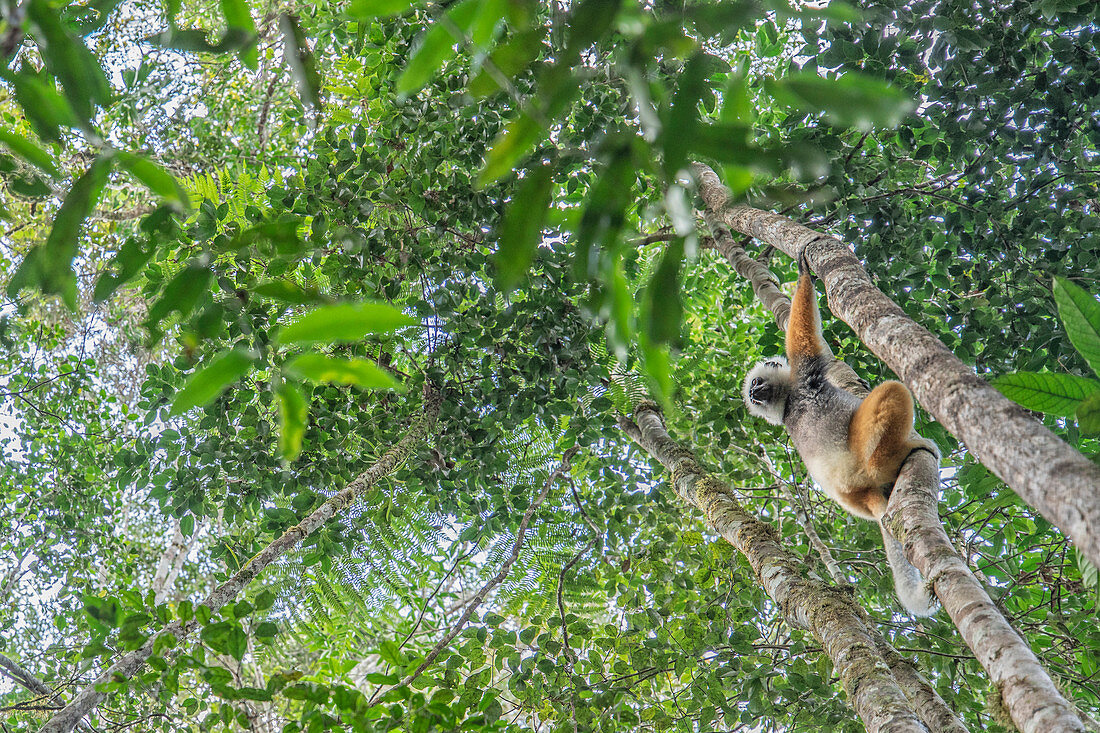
x=761, y=391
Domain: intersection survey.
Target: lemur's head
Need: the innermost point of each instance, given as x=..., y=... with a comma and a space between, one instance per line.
x=766, y=388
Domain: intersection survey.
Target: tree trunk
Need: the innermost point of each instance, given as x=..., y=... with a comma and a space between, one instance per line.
x=826, y=612
x=1033, y=702
x=126, y=667
x=1046, y=472
x=167, y=561
x=1028, y=693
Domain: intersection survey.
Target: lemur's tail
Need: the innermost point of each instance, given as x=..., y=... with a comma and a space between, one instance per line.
x=910, y=586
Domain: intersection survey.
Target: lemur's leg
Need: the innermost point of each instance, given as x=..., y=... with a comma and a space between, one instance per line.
x=879, y=432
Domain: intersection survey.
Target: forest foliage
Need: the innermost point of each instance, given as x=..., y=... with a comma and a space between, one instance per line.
x=241, y=239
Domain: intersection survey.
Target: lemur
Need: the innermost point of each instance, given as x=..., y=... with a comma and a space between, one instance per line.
x=852, y=447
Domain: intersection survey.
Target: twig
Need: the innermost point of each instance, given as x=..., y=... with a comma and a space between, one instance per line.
x=496, y=580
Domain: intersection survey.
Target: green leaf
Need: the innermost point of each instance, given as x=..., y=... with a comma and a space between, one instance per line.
x=391, y=653
x=288, y=292
x=662, y=305
x=521, y=229
x=1080, y=314
x=509, y=58
x=344, y=322
x=300, y=58
x=588, y=21
x=266, y=630
x=181, y=294
x=483, y=25
x=357, y=372
x=236, y=643
x=436, y=46
x=366, y=9
x=155, y=178
x=206, y=384
x=264, y=600
x=107, y=611
x=29, y=152
x=293, y=414
x=852, y=100
x=657, y=367
x=283, y=234
x=187, y=525
x=512, y=144
x=46, y=109
x=82, y=79
x=1054, y=394
x=216, y=636
x=50, y=265
x=683, y=116
x=1088, y=414
x=237, y=15
x=239, y=19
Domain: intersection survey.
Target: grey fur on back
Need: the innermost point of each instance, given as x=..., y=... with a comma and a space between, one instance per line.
x=818, y=416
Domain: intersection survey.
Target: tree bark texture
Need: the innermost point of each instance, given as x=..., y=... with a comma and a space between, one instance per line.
x=1046, y=472
x=1027, y=692
x=167, y=562
x=125, y=668
x=1033, y=702
x=928, y=704
x=826, y=612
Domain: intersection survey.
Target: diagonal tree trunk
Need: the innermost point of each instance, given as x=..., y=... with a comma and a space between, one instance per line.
x=89, y=697
x=827, y=612
x=1030, y=696
x=1046, y=472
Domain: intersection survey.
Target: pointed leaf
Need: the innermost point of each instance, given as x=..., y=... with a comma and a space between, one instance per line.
x=852, y=100
x=181, y=294
x=66, y=56
x=238, y=18
x=300, y=58
x=209, y=382
x=50, y=265
x=663, y=309
x=366, y=9
x=509, y=58
x=1088, y=414
x=356, y=372
x=344, y=322
x=436, y=46
x=28, y=151
x=46, y=109
x=288, y=292
x=512, y=144
x=293, y=414
x=155, y=178
x=1080, y=314
x=1054, y=394
x=683, y=117
x=521, y=229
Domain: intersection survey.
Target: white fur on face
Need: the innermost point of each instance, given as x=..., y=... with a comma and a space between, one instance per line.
x=776, y=371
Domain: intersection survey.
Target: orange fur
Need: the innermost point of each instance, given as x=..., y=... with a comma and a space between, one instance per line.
x=866, y=503
x=804, y=324
x=879, y=436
